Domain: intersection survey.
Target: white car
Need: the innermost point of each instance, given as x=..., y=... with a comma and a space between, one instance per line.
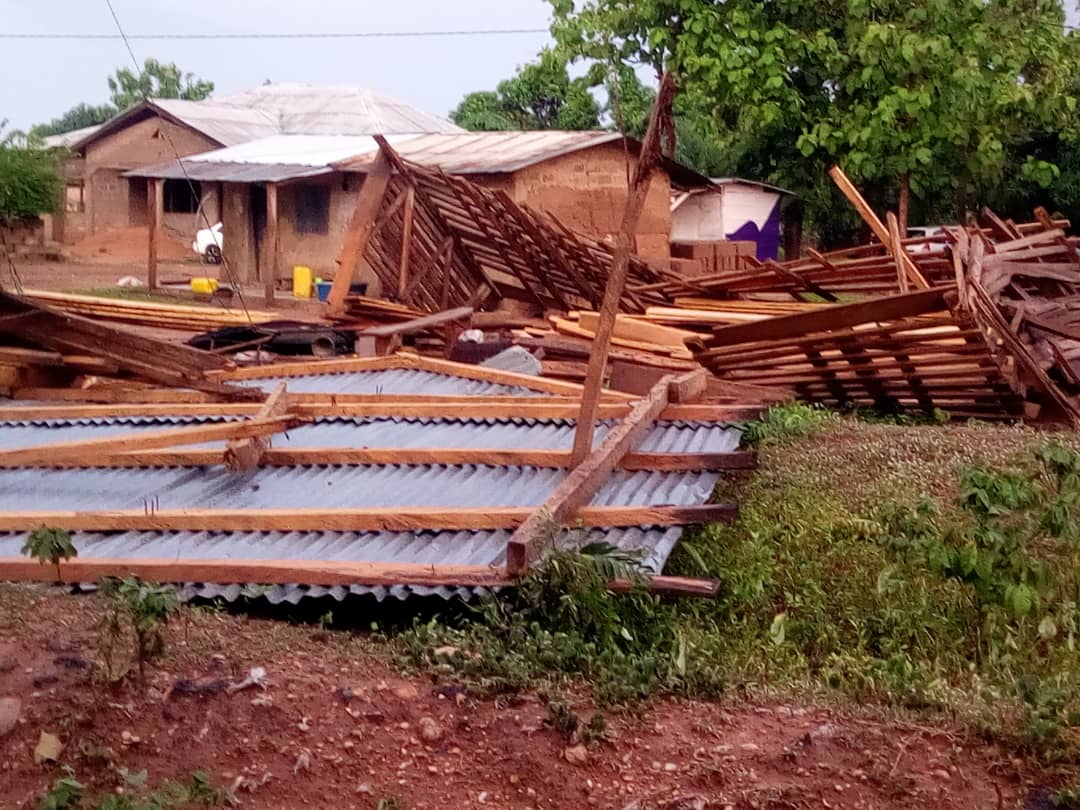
x=920, y=231
x=209, y=243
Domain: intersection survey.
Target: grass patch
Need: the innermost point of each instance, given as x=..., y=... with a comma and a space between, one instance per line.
x=935, y=568
x=67, y=793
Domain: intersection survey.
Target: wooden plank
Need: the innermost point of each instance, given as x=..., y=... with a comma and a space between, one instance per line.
x=407, y=360
x=244, y=454
x=306, y=572
x=264, y=572
x=897, y=246
x=361, y=226
x=270, y=273
x=406, y=241
x=418, y=324
x=46, y=454
x=388, y=407
x=880, y=231
x=586, y=478
x=688, y=387
x=838, y=316
x=668, y=586
x=303, y=456
x=396, y=519
x=648, y=159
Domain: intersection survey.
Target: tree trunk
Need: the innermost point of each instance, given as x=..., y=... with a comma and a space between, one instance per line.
x=962, y=198
x=904, y=203
x=793, y=230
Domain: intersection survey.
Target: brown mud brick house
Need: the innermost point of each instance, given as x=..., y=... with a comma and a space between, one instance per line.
x=578, y=178
x=102, y=195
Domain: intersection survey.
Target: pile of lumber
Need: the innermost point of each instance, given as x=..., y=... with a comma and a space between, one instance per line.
x=148, y=313
x=40, y=342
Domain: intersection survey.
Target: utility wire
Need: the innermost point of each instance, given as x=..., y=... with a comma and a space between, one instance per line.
x=179, y=162
x=479, y=32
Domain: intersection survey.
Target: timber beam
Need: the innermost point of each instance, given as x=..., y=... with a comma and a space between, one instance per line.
x=364, y=519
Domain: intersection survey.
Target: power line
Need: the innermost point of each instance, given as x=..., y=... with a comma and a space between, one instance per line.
x=279, y=35
x=179, y=161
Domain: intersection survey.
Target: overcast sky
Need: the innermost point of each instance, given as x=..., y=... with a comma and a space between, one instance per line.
x=39, y=79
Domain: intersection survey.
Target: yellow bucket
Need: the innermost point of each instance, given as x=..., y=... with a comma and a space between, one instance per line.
x=204, y=286
x=302, y=281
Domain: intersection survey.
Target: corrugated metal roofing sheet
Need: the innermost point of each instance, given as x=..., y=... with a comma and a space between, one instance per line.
x=330, y=487
x=337, y=433
x=286, y=108
x=391, y=381
x=485, y=152
x=446, y=548
x=226, y=172
x=335, y=109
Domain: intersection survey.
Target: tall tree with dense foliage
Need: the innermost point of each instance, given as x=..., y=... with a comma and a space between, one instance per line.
x=78, y=117
x=926, y=94
x=156, y=80
x=541, y=95
x=29, y=177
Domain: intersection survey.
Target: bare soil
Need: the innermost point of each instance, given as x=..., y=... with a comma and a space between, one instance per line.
x=338, y=726
x=123, y=245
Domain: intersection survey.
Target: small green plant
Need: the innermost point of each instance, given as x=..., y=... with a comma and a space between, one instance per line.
x=326, y=621
x=50, y=546
x=65, y=793
x=1065, y=799
x=198, y=790
x=788, y=421
x=595, y=731
x=563, y=719
x=142, y=607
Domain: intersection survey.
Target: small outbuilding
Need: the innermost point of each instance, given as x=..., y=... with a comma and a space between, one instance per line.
x=730, y=209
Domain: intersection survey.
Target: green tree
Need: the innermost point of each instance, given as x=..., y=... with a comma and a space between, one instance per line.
x=50, y=545
x=79, y=116
x=922, y=93
x=541, y=95
x=156, y=80
x=30, y=181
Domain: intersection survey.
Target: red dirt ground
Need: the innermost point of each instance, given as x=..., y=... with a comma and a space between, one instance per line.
x=303, y=742
x=129, y=245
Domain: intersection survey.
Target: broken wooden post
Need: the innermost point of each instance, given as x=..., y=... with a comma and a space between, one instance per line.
x=586, y=478
x=897, y=247
x=156, y=215
x=878, y=227
x=246, y=453
x=406, y=241
x=648, y=159
x=270, y=272
x=361, y=226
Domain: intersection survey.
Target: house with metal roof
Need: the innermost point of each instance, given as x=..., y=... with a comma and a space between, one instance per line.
x=578, y=178
x=156, y=130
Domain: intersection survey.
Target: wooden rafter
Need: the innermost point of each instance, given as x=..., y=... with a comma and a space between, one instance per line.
x=245, y=453
x=586, y=478
x=441, y=456
x=49, y=454
x=376, y=519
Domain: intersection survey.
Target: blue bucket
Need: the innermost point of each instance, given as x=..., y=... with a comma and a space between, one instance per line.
x=322, y=289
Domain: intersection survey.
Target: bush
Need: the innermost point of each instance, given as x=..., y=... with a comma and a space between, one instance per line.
x=30, y=178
